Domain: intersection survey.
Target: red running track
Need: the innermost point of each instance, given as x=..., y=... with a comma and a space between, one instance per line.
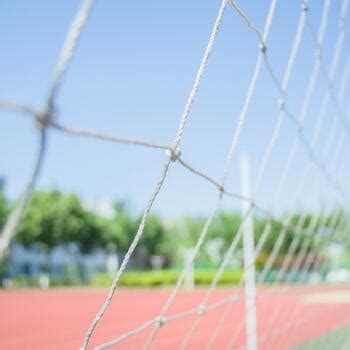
x=57, y=319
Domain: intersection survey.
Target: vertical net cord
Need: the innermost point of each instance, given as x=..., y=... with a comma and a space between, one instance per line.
x=327, y=149
x=263, y=163
x=316, y=134
x=333, y=224
x=304, y=107
x=310, y=94
x=269, y=293
x=308, y=318
x=301, y=257
x=282, y=100
x=327, y=77
x=303, y=254
x=319, y=221
x=176, y=142
x=17, y=213
x=302, y=218
x=68, y=48
x=239, y=327
x=310, y=89
x=43, y=118
x=225, y=174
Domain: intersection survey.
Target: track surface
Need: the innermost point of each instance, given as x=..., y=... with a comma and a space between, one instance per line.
x=57, y=319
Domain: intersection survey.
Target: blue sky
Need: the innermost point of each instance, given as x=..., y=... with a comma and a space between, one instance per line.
x=131, y=75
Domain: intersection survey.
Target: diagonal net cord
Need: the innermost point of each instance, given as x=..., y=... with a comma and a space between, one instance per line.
x=320, y=120
x=320, y=219
x=44, y=121
x=301, y=220
x=263, y=163
x=68, y=48
x=228, y=162
x=270, y=293
x=296, y=267
x=319, y=215
x=312, y=316
x=309, y=257
x=345, y=77
x=333, y=224
x=298, y=228
x=43, y=118
x=179, y=315
x=239, y=327
x=211, y=307
x=119, y=139
x=282, y=180
x=113, y=138
x=333, y=68
x=170, y=156
x=303, y=113
x=17, y=107
x=281, y=113
x=271, y=217
x=292, y=153
x=282, y=100
x=341, y=92
x=78, y=132
x=202, y=236
x=327, y=75
x=16, y=215
x=303, y=255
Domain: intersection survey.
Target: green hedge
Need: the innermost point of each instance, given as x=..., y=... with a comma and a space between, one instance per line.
x=165, y=278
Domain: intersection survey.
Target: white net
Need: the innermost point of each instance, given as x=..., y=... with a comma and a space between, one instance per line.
x=315, y=159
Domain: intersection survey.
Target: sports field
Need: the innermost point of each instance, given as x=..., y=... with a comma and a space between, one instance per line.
x=58, y=318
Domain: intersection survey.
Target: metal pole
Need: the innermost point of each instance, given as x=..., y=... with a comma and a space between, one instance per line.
x=249, y=254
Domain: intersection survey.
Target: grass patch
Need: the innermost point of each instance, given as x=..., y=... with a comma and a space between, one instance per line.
x=165, y=278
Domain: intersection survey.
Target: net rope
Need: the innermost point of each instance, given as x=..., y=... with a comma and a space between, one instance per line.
x=324, y=163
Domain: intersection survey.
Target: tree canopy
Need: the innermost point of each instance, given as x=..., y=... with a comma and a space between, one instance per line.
x=54, y=218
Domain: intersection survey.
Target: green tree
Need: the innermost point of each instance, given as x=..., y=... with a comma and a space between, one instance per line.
x=118, y=230
x=185, y=234
x=218, y=238
x=226, y=226
x=277, y=229
x=53, y=218
x=154, y=241
x=4, y=209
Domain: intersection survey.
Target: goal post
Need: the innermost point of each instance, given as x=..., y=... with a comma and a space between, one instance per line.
x=249, y=254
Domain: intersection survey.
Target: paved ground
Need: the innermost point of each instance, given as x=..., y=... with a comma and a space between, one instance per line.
x=58, y=318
